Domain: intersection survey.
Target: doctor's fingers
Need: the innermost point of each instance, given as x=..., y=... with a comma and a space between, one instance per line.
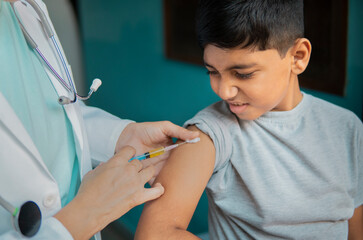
x=146, y=174
x=172, y=130
x=158, y=168
x=136, y=164
x=123, y=156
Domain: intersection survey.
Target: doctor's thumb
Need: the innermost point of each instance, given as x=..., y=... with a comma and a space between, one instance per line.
x=176, y=131
x=153, y=193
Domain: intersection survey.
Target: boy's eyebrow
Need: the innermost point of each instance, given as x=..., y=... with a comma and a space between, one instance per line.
x=238, y=66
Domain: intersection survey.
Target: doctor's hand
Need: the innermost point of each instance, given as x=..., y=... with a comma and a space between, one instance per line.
x=150, y=135
x=108, y=192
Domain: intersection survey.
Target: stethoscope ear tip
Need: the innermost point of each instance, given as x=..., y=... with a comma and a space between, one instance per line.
x=96, y=83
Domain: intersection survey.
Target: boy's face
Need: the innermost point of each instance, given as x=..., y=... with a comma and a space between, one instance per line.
x=252, y=82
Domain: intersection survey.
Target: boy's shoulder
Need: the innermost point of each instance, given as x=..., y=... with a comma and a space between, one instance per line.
x=329, y=111
x=219, y=124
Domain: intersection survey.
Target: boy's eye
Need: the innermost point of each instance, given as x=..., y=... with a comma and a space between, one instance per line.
x=244, y=76
x=212, y=72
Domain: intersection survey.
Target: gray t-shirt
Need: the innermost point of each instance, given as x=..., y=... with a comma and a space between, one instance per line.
x=287, y=175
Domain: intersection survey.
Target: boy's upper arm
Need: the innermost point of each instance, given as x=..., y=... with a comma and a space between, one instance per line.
x=184, y=177
x=356, y=224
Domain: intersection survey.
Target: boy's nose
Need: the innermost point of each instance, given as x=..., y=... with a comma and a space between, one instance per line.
x=227, y=90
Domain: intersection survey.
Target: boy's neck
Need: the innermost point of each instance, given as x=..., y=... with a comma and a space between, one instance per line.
x=292, y=98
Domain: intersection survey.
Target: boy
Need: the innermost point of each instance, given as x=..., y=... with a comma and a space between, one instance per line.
x=277, y=163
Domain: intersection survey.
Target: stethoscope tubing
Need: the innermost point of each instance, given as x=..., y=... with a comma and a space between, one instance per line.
x=52, y=69
x=60, y=55
x=10, y=208
x=50, y=34
x=34, y=46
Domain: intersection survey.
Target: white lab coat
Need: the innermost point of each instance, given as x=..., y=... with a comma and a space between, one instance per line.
x=23, y=174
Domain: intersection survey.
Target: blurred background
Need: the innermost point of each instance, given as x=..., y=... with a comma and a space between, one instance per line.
x=145, y=53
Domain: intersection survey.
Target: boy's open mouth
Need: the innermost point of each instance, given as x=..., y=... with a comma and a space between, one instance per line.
x=237, y=107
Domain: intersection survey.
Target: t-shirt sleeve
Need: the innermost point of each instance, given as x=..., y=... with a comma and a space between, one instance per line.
x=215, y=125
x=358, y=200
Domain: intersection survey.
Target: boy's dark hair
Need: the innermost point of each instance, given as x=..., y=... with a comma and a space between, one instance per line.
x=264, y=24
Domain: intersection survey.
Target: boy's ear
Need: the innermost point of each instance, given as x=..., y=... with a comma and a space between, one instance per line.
x=300, y=53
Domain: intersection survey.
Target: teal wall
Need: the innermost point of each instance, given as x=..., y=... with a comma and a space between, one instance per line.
x=124, y=46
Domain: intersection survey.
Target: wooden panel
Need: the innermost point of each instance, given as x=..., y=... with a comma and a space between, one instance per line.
x=180, y=36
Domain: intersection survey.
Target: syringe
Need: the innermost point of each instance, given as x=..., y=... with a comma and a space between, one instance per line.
x=161, y=150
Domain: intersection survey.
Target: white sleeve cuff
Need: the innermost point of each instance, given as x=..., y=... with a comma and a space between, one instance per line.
x=51, y=228
x=115, y=136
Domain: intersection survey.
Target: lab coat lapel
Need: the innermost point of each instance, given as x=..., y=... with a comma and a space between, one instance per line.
x=73, y=112
x=9, y=120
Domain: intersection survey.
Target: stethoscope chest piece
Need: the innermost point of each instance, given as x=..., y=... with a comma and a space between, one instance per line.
x=28, y=220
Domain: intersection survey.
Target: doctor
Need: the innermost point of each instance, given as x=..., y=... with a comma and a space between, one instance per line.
x=47, y=150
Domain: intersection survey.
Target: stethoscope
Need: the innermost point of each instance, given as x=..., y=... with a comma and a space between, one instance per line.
x=50, y=34
x=27, y=219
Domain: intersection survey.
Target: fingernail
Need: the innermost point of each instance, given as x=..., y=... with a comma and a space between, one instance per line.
x=159, y=185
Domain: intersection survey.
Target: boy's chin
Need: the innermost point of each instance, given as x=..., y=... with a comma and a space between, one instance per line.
x=246, y=111
x=248, y=116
